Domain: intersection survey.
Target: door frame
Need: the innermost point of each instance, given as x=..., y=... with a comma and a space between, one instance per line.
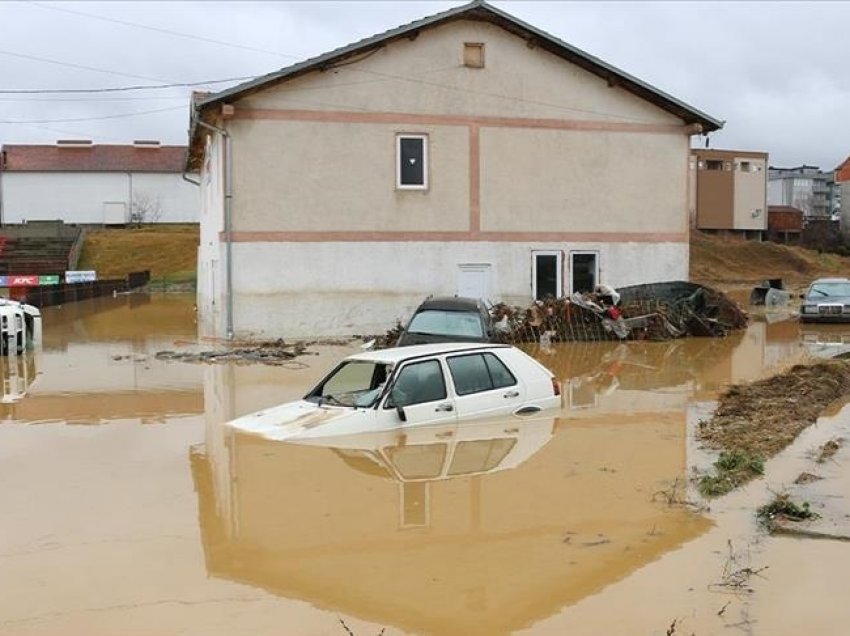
x=484, y=268
x=559, y=271
x=596, y=272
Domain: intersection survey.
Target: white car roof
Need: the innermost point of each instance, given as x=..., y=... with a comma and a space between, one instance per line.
x=399, y=354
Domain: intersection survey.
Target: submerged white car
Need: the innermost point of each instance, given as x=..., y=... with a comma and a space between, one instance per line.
x=406, y=386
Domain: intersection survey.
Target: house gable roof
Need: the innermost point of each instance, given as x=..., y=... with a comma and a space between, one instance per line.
x=92, y=158
x=477, y=10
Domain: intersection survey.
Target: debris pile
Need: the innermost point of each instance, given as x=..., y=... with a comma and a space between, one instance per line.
x=656, y=311
x=274, y=353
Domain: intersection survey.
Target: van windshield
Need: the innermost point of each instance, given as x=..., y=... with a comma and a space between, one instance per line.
x=463, y=324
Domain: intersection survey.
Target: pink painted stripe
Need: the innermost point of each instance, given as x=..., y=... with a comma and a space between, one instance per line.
x=494, y=237
x=338, y=116
x=474, y=179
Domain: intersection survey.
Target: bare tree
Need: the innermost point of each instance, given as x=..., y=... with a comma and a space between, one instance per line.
x=145, y=208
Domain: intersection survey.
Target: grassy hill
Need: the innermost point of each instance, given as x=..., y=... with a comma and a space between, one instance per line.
x=738, y=263
x=169, y=252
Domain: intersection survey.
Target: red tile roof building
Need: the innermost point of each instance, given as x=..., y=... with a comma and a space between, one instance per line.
x=76, y=181
x=79, y=157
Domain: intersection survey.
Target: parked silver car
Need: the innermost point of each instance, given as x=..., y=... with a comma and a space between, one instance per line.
x=826, y=300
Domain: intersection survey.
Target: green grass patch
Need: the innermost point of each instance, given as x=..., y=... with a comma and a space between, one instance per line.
x=731, y=469
x=784, y=507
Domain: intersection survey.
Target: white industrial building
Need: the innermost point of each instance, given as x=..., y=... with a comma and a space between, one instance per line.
x=80, y=182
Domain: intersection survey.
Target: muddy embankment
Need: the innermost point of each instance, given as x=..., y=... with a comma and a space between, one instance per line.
x=753, y=422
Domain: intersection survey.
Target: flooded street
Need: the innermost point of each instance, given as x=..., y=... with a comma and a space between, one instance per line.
x=128, y=507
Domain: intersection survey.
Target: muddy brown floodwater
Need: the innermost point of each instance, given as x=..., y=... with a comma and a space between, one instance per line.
x=127, y=506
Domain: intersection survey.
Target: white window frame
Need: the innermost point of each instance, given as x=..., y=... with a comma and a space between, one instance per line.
x=596, y=271
x=425, y=168
x=559, y=266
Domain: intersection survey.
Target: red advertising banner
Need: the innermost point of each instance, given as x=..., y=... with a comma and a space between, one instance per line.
x=23, y=281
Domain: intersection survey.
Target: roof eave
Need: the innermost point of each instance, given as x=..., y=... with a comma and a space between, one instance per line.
x=478, y=9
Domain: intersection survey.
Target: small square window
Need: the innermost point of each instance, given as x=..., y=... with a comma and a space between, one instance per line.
x=473, y=54
x=746, y=166
x=412, y=162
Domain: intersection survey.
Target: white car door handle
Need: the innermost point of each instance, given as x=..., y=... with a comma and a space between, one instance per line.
x=444, y=407
x=511, y=394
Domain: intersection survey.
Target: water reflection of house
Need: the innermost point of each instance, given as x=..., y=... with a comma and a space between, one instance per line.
x=379, y=527
x=605, y=377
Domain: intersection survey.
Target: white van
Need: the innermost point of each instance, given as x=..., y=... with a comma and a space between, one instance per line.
x=20, y=327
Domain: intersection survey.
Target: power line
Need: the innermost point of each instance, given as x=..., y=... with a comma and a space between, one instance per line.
x=102, y=117
x=89, y=100
x=146, y=27
x=47, y=60
x=118, y=89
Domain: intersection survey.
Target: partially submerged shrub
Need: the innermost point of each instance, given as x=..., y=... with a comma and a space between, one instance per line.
x=732, y=469
x=784, y=508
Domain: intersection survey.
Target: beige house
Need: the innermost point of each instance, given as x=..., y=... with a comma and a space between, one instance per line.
x=467, y=152
x=729, y=191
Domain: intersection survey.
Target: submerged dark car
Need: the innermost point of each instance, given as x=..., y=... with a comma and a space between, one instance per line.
x=448, y=319
x=826, y=300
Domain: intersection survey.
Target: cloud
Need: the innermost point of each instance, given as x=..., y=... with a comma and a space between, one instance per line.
x=773, y=71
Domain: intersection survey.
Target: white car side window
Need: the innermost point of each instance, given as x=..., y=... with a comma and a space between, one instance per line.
x=418, y=383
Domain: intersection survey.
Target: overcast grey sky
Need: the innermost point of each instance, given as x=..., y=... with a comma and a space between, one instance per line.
x=776, y=72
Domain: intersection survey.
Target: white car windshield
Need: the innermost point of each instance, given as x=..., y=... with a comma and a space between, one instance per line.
x=357, y=383
x=462, y=324
x=822, y=290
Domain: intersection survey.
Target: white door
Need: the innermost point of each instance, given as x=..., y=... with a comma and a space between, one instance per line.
x=473, y=281
x=114, y=213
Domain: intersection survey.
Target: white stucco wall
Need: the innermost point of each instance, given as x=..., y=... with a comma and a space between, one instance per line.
x=324, y=289
x=555, y=180
x=211, y=253
x=324, y=176
x=750, y=205
x=426, y=75
x=80, y=197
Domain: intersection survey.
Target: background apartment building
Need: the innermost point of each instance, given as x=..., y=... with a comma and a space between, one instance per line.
x=807, y=188
x=729, y=191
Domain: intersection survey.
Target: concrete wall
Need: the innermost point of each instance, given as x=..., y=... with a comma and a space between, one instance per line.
x=715, y=199
x=308, y=289
x=211, y=252
x=84, y=197
x=750, y=202
x=734, y=198
x=776, y=193
x=844, y=187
